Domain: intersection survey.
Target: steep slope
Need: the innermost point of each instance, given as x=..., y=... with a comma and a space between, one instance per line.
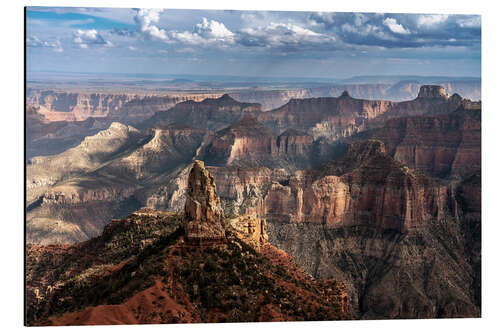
x=146, y=269
x=211, y=114
x=90, y=153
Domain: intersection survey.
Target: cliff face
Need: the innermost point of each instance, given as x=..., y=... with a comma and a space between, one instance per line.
x=365, y=186
x=127, y=108
x=325, y=117
x=59, y=106
x=441, y=145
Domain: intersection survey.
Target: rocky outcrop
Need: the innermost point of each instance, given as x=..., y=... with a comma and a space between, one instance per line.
x=328, y=117
x=432, y=92
x=247, y=141
x=204, y=218
x=251, y=229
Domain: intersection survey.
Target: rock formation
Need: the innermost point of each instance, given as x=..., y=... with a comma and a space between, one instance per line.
x=432, y=91
x=211, y=113
x=251, y=229
x=204, y=218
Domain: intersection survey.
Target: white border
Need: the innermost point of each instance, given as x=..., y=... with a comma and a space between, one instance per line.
x=11, y=193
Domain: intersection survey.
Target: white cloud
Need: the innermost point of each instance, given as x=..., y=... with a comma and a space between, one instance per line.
x=282, y=34
x=471, y=22
x=213, y=29
x=431, y=20
x=208, y=32
x=395, y=27
x=146, y=19
x=132, y=48
x=83, y=38
x=34, y=41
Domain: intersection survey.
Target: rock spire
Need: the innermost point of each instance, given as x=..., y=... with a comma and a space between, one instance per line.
x=204, y=218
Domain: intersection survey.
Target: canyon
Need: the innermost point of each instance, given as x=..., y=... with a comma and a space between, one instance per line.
x=384, y=196
x=169, y=268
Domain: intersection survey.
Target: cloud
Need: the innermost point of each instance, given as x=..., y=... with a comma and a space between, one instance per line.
x=283, y=35
x=147, y=20
x=399, y=30
x=34, y=41
x=322, y=19
x=211, y=29
x=394, y=26
x=470, y=22
x=84, y=38
x=208, y=32
x=431, y=20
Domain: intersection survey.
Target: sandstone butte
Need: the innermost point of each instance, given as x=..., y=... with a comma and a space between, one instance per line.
x=142, y=270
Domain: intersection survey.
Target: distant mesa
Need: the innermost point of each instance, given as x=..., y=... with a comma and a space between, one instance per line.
x=432, y=91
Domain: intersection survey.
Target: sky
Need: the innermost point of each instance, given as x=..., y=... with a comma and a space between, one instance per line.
x=251, y=43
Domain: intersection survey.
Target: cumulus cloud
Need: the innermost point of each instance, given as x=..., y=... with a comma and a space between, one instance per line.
x=34, y=41
x=284, y=35
x=394, y=26
x=211, y=29
x=208, y=32
x=147, y=20
x=84, y=38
